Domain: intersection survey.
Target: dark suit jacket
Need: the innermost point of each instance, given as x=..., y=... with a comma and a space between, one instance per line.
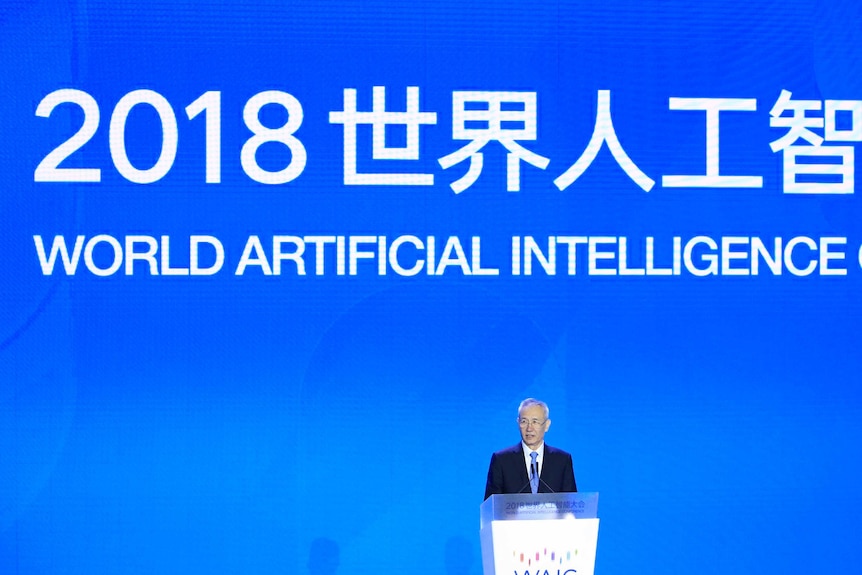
x=508, y=472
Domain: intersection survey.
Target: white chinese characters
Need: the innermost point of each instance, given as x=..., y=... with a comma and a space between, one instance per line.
x=382, y=146
x=712, y=178
x=809, y=166
x=483, y=117
x=379, y=118
x=604, y=133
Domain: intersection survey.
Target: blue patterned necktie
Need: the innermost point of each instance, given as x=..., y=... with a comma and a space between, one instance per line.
x=534, y=472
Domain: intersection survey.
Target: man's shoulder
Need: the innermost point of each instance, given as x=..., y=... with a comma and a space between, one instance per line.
x=509, y=451
x=555, y=451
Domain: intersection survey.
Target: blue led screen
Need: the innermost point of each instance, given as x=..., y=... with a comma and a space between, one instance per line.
x=276, y=276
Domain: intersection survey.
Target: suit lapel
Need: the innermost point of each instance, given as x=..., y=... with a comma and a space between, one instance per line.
x=518, y=459
x=548, y=460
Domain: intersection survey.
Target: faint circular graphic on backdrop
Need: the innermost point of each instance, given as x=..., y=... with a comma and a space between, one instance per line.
x=37, y=397
x=402, y=379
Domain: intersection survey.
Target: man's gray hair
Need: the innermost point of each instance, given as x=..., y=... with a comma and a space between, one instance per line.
x=533, y=401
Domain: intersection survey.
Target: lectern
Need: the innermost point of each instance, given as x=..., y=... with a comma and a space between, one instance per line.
x=539, y=533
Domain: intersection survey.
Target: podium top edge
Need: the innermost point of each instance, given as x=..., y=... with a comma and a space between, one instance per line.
x=532, y=506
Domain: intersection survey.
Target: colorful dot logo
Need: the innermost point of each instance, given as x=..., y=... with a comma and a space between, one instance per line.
x=544, y=557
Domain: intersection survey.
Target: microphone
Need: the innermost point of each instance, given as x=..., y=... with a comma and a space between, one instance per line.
x=527, y=488
x=534, y=472
x=546, y=485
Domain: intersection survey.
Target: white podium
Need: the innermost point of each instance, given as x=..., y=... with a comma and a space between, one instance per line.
x=539, y=534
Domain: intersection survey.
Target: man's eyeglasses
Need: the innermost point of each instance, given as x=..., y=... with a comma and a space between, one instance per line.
x=523, y=422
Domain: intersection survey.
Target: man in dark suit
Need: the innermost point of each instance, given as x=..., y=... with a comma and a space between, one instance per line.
x=531, y=466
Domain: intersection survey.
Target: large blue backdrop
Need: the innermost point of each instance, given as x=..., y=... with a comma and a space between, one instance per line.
x=276, y=275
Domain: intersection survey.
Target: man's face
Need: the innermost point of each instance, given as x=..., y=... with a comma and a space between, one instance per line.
x=533, y=425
